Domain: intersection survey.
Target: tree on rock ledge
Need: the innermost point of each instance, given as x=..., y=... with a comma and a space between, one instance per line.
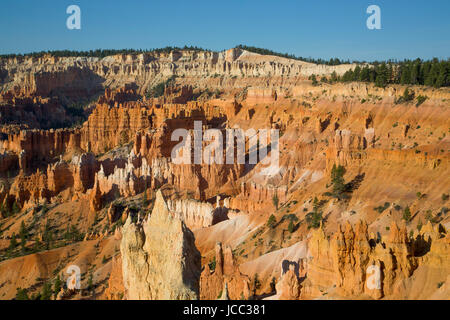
x=337, y=181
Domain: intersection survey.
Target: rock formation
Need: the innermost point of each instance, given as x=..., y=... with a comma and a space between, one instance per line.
x=160, y=260
x=348, y=262
x=288, y=288
x=225, y=274
x=115, y=290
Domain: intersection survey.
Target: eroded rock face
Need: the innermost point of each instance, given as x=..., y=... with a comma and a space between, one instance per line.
x=225, y=275
x=196, y=214
x=350, y=261
x=83, y=76
x=115, y=290
x=95, y=199
x=160, y=260
x=288, y=288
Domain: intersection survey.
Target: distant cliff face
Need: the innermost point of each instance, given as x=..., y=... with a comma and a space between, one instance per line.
x=85, y=76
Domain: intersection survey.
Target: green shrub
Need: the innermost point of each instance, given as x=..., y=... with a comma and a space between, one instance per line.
x=406, y=97
x=57, y=286
x=420, y=100
x=90, y=284
x=291, y=227
x=275, y=200
x=47, y=291
x=313, y=79
x=15, y=208
x=380, y=209
x=313, y=219
x=419, y=225
x=22, y=294
x=212, y=264
x=407, y=214
x=158, y=90
x=271, y=221
x=12, y=242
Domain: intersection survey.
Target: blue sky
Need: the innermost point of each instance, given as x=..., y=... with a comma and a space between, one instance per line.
x=318, y=29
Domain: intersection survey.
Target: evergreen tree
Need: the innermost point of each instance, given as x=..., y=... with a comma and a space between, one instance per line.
x=334, y=77
x=275, y=200
x=382, y=76
x=390, y=73
x=291, y=227
x=443, y=78
x=348, y=76
x=4, y=213
x=415, y=72
x=13, y=242
x=407, y=214
x=57, y=286
x=90, y=285
x=356, y=73
x=405, y=77
x=23, y=234
x=431, y=77
x=314, y=218
x=15, y=208
x=47, y=236
x=36, y=245
x=47, y=292
x=22, y=294
x=365, y=74
x=408, y=95
x=338, y=182
x=271, y=221
x=419, y=225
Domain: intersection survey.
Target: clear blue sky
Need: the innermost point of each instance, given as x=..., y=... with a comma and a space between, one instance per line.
x=308, y=28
